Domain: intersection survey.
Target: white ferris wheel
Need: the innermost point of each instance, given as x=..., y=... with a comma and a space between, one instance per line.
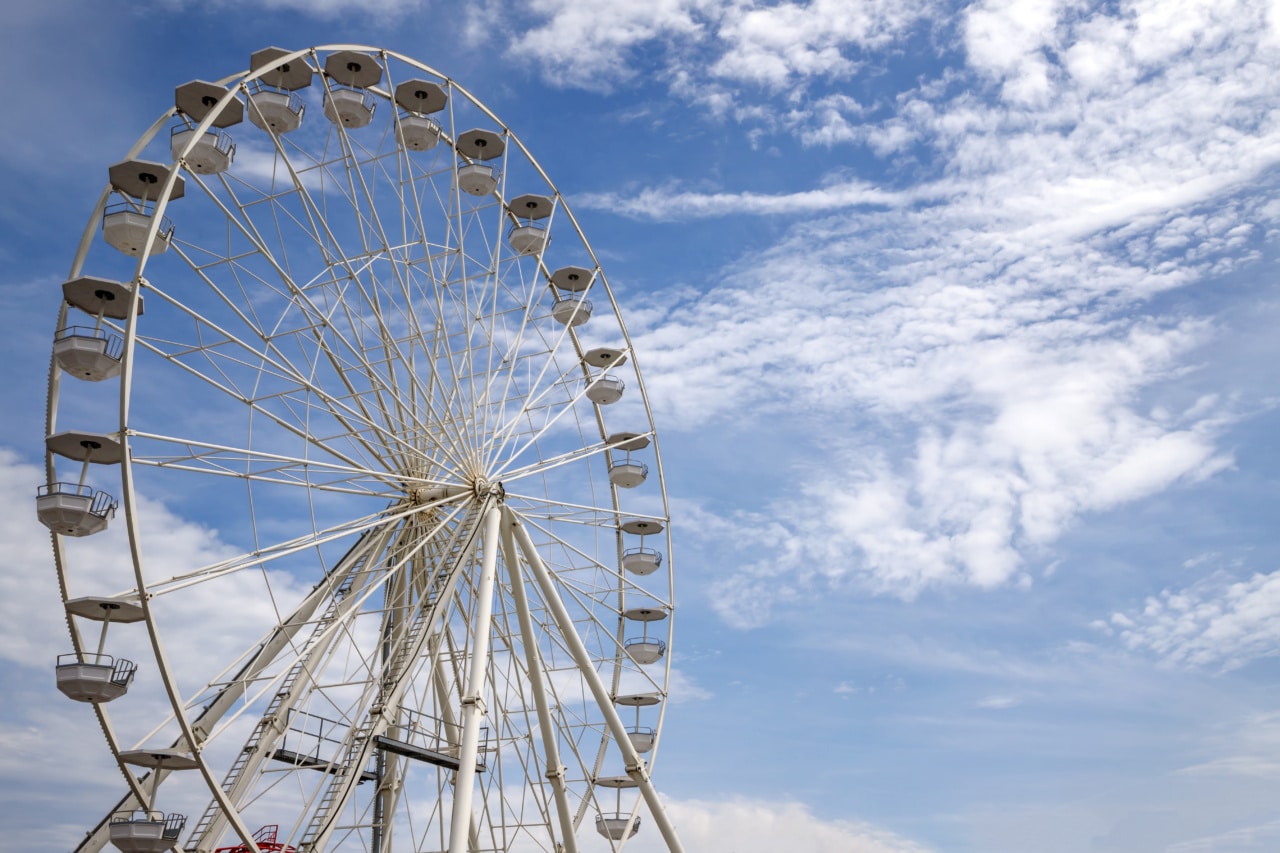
x=358, y=513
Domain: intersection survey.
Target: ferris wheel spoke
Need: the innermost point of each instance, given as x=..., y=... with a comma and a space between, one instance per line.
x=537, y=395
x=325, y=237
x=530, y=405
x=543, y=466
x=528, y=643
x=306, y=543
x=254, y=465
x=291, y=388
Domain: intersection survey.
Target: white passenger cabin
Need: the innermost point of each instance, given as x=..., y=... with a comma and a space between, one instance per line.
x=93, y=353
x=627, y=473
x=212, y=151
x=571, y=310
x=76, y=509
x=348, y=101
x=614, y=825
x=604, y=390
x=273, y=104
x=89, y=677
x=418, y=100
x=641, y=560
x=477, y=177
x=529, y=235
x=95, y=676
x=148, y=830
x=126, y=225
x=88, y=353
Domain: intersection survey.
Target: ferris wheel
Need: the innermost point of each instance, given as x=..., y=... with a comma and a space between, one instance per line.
x=359, y=517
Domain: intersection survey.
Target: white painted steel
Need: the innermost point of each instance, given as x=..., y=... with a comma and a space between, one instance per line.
x=342, y=368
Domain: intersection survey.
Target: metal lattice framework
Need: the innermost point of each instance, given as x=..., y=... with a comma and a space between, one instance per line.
x=388, y=479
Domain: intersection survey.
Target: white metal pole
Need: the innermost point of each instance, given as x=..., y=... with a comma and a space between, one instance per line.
x=533, y=663
x=635, y=765
x=473, y=702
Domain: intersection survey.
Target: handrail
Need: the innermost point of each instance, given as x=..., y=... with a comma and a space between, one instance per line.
x=166, y=224
x=222, y=140
x=114, y=344
x=635, y=641
x=366, y=97
x=101, y=504
x=295, y=103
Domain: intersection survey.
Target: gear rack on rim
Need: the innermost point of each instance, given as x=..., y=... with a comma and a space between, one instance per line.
x=378, y=473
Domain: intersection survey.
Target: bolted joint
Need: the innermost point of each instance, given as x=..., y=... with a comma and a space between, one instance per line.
x=473, y=702
x=486, y=489
x=554, y=773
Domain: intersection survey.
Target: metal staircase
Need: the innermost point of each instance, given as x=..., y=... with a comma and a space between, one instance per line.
x=408, y=649
x=270, y=725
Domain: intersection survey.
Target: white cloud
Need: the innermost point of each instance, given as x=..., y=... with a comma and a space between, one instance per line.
x=1260, y=837
x=1216, y=622
x=673, y=204
x=1006, y=38
x=763, y=826
x=386, y=10
x=774, y=45
x=964, y=422
x=705, y=44
x=975, y=354
x=588, y=44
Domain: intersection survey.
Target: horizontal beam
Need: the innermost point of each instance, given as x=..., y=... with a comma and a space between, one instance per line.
x=420, y=753
x=288, y=756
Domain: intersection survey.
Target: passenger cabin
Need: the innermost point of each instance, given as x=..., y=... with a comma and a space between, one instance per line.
x=212, y=151
x=274, y=105
x=645, y=649
x=617, y=825
x=348, y=101
x=148, y=830
x=627, y=473
x=418, y=100
x=529, y=234
x=128, y=225
x=642, y=738
x=89, y=677
x=603, y=388
x=476, y=176
x=76, y=509
x=614, y=825
x=571, y=310
x=88, y=353
x=93, y=353
x=96, y=676
x=641, y=560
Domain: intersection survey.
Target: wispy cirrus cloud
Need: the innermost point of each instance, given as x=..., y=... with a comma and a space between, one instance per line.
x=704, y=48
x=671, y=203
x=977, y=354
x=762, y=826
x=1218, y=622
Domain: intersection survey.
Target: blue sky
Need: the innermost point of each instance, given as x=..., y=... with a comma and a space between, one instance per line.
x=958, y=323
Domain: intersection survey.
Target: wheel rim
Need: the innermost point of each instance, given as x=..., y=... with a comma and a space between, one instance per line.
x=340, y=336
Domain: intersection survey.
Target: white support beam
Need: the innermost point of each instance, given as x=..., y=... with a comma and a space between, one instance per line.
x=635, y=765
x=533, y=664
x=473, y=701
